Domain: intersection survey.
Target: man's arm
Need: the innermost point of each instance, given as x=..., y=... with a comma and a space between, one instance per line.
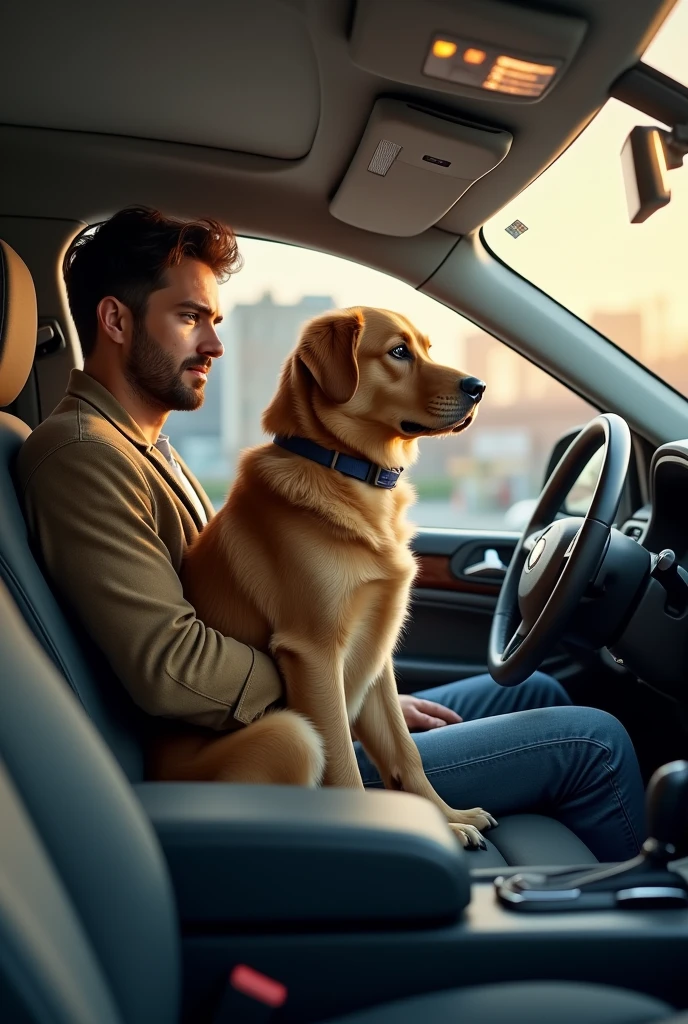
x=90, y=513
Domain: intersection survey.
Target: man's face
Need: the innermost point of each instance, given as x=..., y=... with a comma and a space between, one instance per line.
x=173, y=345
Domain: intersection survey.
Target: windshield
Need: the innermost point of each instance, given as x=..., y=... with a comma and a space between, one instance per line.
x=626, y=280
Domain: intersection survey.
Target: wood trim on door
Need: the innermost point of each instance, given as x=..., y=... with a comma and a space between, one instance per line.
x=434, y=573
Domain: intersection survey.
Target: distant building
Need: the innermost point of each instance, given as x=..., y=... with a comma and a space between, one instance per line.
x=260, y=336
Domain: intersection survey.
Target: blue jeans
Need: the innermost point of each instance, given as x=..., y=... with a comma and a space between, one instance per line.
x=526, y=749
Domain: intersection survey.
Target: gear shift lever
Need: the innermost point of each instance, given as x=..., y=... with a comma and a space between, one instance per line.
x=644, y=881
x=667, y=812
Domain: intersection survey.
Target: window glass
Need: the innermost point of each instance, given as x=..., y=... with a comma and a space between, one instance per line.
x=485, y=478
x=627, y=280
x=580, y=496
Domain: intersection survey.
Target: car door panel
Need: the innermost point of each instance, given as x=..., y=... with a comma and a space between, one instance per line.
x=446, y=635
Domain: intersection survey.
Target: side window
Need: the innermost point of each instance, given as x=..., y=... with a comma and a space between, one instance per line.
x=486, y=478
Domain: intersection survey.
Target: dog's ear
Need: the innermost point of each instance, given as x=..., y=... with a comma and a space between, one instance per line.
x=328, y=348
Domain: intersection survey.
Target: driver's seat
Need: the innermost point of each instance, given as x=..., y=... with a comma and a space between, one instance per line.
x=520, y=840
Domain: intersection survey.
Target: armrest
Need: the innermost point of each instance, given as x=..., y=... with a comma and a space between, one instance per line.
x=252, y=854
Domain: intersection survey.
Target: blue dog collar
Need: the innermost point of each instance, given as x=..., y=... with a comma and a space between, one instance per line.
x=360, y=469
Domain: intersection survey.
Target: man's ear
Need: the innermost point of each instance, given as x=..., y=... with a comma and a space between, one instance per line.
x=328, y=348
x=114, y=318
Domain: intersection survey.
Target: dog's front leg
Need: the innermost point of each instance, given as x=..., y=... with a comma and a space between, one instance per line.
x=314, y=684
x=382, y=730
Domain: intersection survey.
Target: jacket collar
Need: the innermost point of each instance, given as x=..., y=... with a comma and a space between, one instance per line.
x=83, y=386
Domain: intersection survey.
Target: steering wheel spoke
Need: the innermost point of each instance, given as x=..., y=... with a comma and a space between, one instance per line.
x=516, y=640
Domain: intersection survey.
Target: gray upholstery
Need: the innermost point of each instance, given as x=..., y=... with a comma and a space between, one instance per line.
x=520, y=1003
x=48, y=969
x=86, y=671
x=101, y=844
x=84, y=668
x=351, y=858
x=531, y=839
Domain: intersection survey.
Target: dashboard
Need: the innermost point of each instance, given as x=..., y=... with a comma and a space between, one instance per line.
x=654, y=643
x=663, y=521
x=667, y=525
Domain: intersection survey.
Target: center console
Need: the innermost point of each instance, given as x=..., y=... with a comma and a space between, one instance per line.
x=352, y=899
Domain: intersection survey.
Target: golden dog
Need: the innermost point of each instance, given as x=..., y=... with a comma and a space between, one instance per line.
x=314, y=566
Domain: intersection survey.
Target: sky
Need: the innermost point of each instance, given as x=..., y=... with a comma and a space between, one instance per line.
x=579, y=247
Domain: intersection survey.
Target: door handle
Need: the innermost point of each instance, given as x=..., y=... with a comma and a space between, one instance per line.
x=491, y=565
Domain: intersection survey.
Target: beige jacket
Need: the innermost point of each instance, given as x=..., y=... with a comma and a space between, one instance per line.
x=112, y=522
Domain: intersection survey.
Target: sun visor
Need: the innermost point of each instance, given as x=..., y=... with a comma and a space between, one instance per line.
x=411, y=167
x=501, y=52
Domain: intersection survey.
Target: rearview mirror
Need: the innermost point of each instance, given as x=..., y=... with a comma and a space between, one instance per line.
x=644, y=164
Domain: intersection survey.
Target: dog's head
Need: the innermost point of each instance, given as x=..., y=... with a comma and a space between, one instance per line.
x=364, y=378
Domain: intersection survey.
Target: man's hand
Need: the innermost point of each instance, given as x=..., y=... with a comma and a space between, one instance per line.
x=422, y=715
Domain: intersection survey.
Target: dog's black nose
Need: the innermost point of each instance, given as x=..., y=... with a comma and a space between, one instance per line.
x=473, y=387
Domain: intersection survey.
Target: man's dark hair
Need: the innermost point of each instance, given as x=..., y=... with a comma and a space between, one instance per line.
x=127, y=257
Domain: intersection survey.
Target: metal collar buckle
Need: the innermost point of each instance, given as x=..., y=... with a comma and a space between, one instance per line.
x=373, y=475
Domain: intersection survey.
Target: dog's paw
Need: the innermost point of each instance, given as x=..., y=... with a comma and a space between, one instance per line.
x=469, y=837
x=476, y=817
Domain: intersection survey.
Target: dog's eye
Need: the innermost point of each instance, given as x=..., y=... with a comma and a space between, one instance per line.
x=401, y=352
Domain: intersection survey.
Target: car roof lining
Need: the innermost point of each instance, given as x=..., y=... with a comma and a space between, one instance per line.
x=66, y=169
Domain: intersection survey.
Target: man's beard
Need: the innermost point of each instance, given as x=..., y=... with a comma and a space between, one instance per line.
x=153, y=375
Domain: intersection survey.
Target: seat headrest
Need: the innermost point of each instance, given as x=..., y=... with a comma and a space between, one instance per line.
x=18, y=324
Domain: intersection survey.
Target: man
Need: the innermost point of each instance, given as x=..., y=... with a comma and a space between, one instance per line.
x=112, y=508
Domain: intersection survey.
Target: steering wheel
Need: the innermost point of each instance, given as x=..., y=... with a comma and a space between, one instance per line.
x=556, y=559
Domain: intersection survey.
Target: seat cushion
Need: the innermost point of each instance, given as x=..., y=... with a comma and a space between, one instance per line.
x=520, y=1003
x=531, y=839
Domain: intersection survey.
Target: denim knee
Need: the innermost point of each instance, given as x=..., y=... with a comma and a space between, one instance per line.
x=594, y=724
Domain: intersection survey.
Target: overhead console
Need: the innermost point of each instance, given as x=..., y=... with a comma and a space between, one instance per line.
x=412, y=165
x=414, y=160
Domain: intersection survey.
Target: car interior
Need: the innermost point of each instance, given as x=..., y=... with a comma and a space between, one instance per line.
x=388, y=133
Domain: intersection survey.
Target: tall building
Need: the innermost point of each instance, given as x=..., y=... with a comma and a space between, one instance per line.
x=259, y=337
